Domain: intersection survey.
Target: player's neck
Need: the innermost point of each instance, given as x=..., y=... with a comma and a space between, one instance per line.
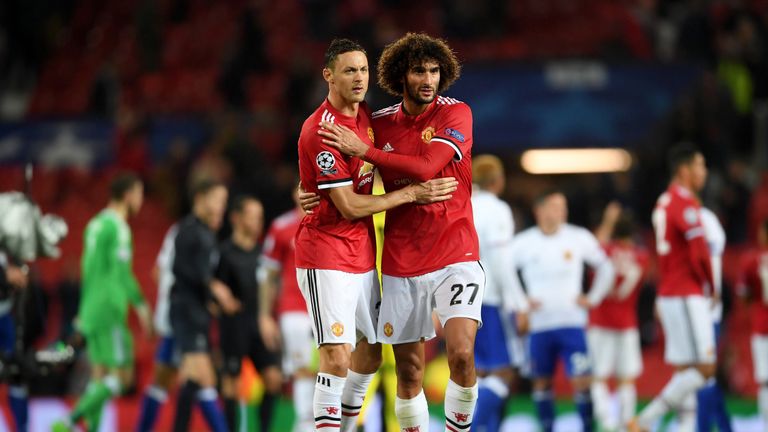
x=549, y=229
x=682, y=183
x=242, y=240
x=413, y=108
x=120, y=208
x=343, y=106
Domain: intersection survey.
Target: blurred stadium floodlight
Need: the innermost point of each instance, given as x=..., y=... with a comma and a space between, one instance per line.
x=576, y=161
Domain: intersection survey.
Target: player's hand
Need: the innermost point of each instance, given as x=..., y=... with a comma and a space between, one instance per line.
x=534, y=304
x=229, y=304
x=583, y=301
x=145, y=320
x=308, y=200
x=17, y=275
x=522, y=322
x=434, y=190
x=342, y=139
x=270, y=332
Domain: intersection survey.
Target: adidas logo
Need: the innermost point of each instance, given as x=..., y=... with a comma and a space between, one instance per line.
x=388, y=148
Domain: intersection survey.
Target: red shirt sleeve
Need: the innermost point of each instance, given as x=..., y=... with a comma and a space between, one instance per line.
x=330, y=167
x=687, y=220
x=452, y=140
x=273, y=247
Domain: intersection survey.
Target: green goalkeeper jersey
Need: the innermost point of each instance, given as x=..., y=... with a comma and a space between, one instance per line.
x=108, y=282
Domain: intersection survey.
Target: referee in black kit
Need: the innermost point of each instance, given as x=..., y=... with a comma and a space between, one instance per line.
x=239, y=333
x=195, y=288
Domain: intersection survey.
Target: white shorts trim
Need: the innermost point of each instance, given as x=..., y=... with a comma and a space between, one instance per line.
x=343, y=306
x=615, y=353
x=298, y=348
x=455, y=291
x=760, y=358
x=688, y=330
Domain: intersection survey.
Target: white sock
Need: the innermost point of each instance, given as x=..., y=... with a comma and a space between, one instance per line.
x=672, y=396
x=326, y=404
x=459, y=406
x=352, y=399
x=413, y=414
x=762, y=403
x=601, y=398
x=157, y=393
x=627, y=402
x=303, y=392
x=686, y=414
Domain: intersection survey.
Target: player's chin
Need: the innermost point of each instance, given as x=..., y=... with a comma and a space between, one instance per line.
x=357, y=96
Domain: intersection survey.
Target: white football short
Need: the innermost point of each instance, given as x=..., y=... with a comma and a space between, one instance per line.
x=615, y=353
x=296, y=331
x=688, y=330
x=452, y=292
x=760, y=358
x=343, y=306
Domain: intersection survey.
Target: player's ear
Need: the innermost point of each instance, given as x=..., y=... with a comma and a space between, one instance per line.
x=328, y=75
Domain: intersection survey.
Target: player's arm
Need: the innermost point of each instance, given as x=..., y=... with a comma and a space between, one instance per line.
x=352, y=205
x=442, y=150
x=419, y=167
x=269, y=285
x=605, y=273
x=216, y=277
x=611, y=214
x=689, y=223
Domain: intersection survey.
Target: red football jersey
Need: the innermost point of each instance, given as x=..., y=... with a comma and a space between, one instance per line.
x=325, y=240
x=679, y=241
x=419, y=239
x=619, y=309
x=280, y=253
x=754, y=275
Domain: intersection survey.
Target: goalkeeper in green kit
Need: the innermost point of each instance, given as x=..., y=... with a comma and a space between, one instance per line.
x=108, y=288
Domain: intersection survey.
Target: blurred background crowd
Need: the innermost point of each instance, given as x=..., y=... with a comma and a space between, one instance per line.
x=178, y=90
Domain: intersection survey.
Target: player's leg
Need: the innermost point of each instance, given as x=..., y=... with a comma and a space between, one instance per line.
x=690, y=347
x=604, y=354
x=710, y=406
x=233, y=343
x=366, y=358
x=458, y=297
x=405, y=321
x=17, y=390
x=164, y=375
x=197, y=377
x=111, y=350
x=267, y=363
x=298, y=348
x=543, y=355
x=760, y=361
x=572, y=344
x=332, y=298
x=494, y=366
x=628, y=368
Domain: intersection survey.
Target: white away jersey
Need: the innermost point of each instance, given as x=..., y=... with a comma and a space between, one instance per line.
x=715, y=236
x=552, y=268
x=495, y=227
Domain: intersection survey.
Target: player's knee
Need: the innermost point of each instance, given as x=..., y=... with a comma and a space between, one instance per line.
x=410, y=374
x=461, y=360
x=334, y=359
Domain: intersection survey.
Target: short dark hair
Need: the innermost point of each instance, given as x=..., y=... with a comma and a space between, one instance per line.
x=681, y=154
x=339, y=47
x=414, y=49
x=546, y=193
x=238, y=202
x=121, y=184
x=203, y=186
